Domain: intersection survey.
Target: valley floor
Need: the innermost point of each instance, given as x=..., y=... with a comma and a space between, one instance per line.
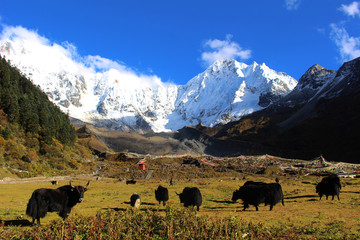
x=216, y=179
x=302, y=206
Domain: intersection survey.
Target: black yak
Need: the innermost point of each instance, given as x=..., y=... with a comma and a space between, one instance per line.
x=255, y=193
x=130, y=181
x=162, y=195
x=135, y=200
x=332, y=178
x=253, y=183
x=191, y=197
x=329, y=186
x=60, y=200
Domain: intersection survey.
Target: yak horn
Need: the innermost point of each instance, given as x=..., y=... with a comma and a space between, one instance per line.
x=87, y=184
x=177, y=193
x=70, y=184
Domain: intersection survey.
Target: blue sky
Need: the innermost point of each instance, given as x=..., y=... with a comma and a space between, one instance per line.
x=176, y=40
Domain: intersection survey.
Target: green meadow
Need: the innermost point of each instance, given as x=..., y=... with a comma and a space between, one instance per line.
x=304, y=216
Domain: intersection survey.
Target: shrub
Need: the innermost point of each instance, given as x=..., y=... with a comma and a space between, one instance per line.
x=176, y=224
x=32, y=141
x=13, y=150
x=52, y=151
x=32, y=155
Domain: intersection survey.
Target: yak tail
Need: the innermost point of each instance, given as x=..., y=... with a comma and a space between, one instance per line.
x=36, y=207
x=32, y=208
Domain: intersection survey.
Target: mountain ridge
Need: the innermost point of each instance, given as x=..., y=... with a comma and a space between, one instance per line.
x=122, y=100
x=326, y=123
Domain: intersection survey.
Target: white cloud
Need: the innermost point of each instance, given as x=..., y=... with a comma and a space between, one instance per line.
x=28, y=47
x=18, y=33
x=223, y=49
x=292, y=4
x=100, y=64
x=353, y=9
x=349, y=47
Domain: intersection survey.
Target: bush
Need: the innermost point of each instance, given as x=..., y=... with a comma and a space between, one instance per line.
x=32, y=141
x=13, y=150
x=52, y=151
x=32, y=155
x=176, y=224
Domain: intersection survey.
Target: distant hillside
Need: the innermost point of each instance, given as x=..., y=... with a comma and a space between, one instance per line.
x=36, y=137
x=326, y=122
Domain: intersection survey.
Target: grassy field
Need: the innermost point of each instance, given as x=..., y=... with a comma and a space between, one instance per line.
x=302, y=209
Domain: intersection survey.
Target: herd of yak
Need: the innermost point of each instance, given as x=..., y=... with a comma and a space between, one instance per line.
x=62, y=199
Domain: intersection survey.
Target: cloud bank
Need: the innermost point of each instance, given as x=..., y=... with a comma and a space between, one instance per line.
x=349, y=47
x=216, y=49
x=54, y=57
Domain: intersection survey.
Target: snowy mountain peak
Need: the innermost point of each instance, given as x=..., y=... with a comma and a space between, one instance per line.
x=108, y=94
x=226, y=91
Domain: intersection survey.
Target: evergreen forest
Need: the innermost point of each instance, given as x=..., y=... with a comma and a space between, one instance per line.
x=26, y=105
x=36, y=137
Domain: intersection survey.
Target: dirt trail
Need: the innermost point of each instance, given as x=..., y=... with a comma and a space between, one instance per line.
x=10, y=180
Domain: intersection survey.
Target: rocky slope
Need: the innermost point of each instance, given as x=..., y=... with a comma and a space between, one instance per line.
x=326, y=122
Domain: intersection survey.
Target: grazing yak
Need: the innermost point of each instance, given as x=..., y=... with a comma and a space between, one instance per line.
x=253, y=183
x=191, y=196
x=255, y=193
x=135, y=200
x=130, y=181
x=60, y=200
x=162, y=195
x=329, y=185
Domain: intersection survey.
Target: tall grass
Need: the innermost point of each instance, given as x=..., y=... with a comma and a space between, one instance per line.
x=175, y=224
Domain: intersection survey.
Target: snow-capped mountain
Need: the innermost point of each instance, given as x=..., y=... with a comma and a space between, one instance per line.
x=226, y=91
x=130, y=105
x=320, y=116
x=118, y=98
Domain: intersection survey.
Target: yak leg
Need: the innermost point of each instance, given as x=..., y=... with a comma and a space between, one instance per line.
x=164, y=203
x=38, y=221
x=198, y=208
x=338, y=195
x=327, y=197
x=257, y=209
x=245, y=206
x=64, y=214
x=271, y=206
x=333, y=197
